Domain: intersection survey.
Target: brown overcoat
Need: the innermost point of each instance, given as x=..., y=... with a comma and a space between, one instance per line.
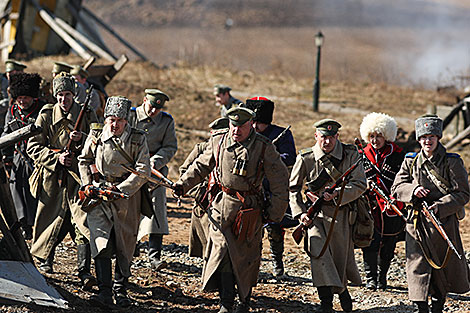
x=122, y=215
x=53, y=200
x=245, y=256
x=454, y=277
x=337, y=265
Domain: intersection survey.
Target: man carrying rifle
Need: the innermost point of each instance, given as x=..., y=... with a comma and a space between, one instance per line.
x=284, y=141
x=321, y=166
x=382, y=161
x=159, y=128
x=240, y=159
x=55, y=180
x=436, y=182
x=23, y=111
x=113, y=220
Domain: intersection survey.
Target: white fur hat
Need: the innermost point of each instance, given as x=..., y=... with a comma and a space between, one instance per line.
x=380, y=123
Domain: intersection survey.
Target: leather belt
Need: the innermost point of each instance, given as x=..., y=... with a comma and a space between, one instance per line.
x=241, y=195
x=114, y=180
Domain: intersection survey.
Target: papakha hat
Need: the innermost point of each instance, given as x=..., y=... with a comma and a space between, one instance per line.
x=263, y=107
x=24, y=84
x=380, y=123
x=118, y=106
x=63, y=82
x=428, y=124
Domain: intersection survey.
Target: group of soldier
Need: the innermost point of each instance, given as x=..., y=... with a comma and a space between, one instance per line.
x=95, y=183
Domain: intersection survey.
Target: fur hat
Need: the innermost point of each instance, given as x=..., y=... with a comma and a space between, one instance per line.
x=428, y=124
x=118, y=106
x=380, y=123
x=263, y=107
x=24, y=84
x=63, y=82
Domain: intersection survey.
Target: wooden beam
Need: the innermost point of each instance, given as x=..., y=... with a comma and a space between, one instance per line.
x=456, y=140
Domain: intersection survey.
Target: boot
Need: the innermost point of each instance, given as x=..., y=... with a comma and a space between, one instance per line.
x=370, y=267
x=243, y=307
x=384, y=266
x=104, y=298
x=155, y=252
x=45, y=265
x=120, y=288
x=276, y=243
x=84, y=262
x=226, y=291
x=326, y=300
x=437, y=304
x=421, y=307
x=346, y=301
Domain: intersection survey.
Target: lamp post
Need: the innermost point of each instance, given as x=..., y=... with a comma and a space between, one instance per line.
x=316, y=84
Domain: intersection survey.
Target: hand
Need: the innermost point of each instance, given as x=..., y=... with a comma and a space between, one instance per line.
x=178, y=191
x=304, y=219
x=421, y=192
x=75, y=135
x=65, y=158
x=433, y=208
x=90, y=192
x=112, y=197
x=329, y=196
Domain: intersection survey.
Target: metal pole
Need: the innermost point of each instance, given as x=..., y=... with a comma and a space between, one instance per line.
x=316, y=83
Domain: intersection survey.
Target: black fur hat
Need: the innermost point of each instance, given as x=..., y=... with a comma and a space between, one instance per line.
x=263, y=107
x=24, y=84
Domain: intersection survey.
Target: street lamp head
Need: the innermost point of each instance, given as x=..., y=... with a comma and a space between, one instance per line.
x=319, y=39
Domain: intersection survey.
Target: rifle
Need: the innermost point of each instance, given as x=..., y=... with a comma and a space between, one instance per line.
x=282, y=134
x=163, y=181
x=438, y=225
x=77, y=127
x=316, y=202
x=91, y=191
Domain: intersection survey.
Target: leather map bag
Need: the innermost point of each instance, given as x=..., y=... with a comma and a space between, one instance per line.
x=362, y=222
x=245, y=224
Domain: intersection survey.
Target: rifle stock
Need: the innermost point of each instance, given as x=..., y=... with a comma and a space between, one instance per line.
x=312, y=212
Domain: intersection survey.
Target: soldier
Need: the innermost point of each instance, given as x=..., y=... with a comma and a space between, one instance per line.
x=114, y=222
x=159, y=128
x=24, y=91
x=11, y=67
x=320, y=166
x=47, y=94
x=55, y=180
x=224, y=99
x=82, y=86
x=384, y=157
x=240, y=158
x=199, y=219
x=264, y=109
x=439, y=179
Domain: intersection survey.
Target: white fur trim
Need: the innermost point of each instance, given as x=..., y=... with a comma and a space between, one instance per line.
x=380, y=123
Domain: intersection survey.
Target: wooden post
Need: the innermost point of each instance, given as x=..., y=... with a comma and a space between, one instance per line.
x=59, y=31
x=80, y=37
x=112, y=32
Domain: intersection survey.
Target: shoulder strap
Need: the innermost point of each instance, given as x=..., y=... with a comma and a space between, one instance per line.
x=122, y=152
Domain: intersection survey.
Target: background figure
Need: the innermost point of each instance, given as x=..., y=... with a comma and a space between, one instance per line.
x=262, y=122
x=24, y=109
x=438, y=179
x=82, y=86
x=224, y=99
x=384, y=160
x=114, y=222
x=159, y=128
x=11, y=67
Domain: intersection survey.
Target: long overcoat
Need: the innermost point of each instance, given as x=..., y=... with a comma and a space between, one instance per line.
x=245, y=256
x=122, y=215
x=337, y=265
x=454, y=277
x=53, y=200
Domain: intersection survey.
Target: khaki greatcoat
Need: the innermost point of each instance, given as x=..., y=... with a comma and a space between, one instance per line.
x=337, y=265
x=53, y=200
x=122, y=215
x=454, y=277
x=245, y=256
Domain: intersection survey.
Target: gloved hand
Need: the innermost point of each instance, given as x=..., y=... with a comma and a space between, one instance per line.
x=178, y=191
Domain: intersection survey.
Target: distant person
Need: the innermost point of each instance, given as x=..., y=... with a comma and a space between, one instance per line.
x=262, y=122
x=47, y=92
x=82, y=86
x=11, y=67
x=438, y=179
x=224, y=99
x=379, y=130
x=159, y=129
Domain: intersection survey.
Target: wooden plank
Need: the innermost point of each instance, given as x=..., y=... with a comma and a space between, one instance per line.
x=456, y=140
x=41, y=36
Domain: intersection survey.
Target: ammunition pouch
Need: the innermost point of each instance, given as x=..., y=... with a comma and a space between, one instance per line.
x=245, y=224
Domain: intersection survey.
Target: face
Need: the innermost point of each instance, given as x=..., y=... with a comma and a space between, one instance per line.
x=240, y=133
x=80, y=79
x=10, y=73
x=116, y=124
x=376, y=140
x=222, y=98
x=149, y=109
x=260, y=127
x=65, y=100
x=428, y=143
x=326, y=143
x=24, y=102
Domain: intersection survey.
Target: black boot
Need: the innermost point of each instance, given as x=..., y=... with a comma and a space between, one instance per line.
x=84, y=262
x=421, y=307
x=384, y=266
x=155, y=252
x=104, y=275
x=120, y=288
x=45, y=265
x=345, y=301
x=370, y=267
x=276, y=243
x=226, y=291
x=437, y=304
x=326, y=300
